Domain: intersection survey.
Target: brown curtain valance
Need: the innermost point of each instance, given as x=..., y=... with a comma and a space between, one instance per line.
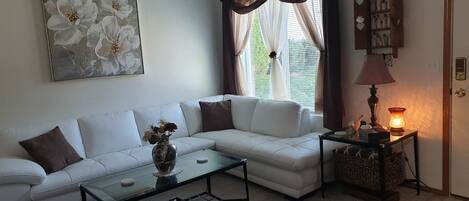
x=246, y=6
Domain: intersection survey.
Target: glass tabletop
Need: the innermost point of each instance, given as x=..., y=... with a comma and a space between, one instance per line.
x=109, y=187
x=356, y=139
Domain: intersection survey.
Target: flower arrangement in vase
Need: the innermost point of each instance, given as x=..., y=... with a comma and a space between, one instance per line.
x=164, y=153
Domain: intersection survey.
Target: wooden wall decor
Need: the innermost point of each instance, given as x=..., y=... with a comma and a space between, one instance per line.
x=379, y=26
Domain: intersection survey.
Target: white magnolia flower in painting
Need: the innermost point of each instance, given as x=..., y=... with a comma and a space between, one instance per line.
x=115, y=46
x=119, y=8
x=70, y=19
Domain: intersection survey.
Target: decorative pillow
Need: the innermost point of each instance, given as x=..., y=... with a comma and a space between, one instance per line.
x=216, y=116
x=51, y=150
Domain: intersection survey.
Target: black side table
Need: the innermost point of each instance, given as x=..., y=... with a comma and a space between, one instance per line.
x=354, y=140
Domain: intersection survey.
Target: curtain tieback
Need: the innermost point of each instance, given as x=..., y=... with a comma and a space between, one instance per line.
x=273, y=55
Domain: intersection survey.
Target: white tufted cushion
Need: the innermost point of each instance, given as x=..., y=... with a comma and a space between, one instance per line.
x=116, y=161
x=276, y=118
x=145, y=118
x=109, y=133
x=148, y=116
x=68, y=179
x=242, y=109
x=173, y=113
x=306, y=121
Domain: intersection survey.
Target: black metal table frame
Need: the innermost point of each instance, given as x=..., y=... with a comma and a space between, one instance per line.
x=84, y=191
x=380, y=148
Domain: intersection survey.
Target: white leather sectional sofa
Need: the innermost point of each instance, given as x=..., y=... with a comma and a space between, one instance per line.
x=278, y=138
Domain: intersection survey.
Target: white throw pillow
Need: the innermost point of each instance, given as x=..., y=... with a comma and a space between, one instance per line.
x=109, y=133
x=193, y=115
x=242, y=109
x=277, y=118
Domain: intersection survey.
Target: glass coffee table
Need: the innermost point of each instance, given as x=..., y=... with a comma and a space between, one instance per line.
x=109, y=188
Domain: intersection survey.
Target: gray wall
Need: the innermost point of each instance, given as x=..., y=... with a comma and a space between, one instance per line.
x=419, y=80
x=181, y=42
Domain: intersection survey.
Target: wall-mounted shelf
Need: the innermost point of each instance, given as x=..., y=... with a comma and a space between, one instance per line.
x=379, y=25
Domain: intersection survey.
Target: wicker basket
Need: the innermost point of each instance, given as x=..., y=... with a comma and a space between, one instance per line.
x=360, y=167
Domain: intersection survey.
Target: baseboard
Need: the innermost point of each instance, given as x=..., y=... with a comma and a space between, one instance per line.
x=426, y=189
x=435, y=191
x=459, y=197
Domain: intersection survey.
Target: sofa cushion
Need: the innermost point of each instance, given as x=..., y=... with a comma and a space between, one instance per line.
x=242, y=109
x=279, y=176
x=288, y=153
x=173, y=113
x=20, y=171
x=51, y=150
x=276, y=118
x=109, y=133
x=9, y=138
x=192, y=113
x=188, y=145
x=68, y=179
x=141, y=154
x=148, y=116
x=116, y=161
x=306, y=121
x=216, y=115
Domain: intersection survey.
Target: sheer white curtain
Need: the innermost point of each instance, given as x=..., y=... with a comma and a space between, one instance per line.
x=273, y=16
x=241, y=31
x=311, y=24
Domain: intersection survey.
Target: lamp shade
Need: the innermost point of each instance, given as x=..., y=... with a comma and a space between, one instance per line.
x=374, y=71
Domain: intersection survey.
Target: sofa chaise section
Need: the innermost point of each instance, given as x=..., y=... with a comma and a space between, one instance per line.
x=279, y=139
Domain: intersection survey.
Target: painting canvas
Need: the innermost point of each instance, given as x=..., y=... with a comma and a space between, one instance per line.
x=93, y=38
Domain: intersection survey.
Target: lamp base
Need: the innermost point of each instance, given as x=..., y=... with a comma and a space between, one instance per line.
x=372, y=103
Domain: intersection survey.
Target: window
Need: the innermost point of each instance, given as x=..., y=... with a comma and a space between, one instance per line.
x=299, y=59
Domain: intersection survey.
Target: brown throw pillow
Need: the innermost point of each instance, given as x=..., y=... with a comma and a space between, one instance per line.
x=216, y=115
x=51, y=150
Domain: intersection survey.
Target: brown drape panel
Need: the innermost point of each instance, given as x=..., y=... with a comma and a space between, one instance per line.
x=229, y=83
x=333, y=105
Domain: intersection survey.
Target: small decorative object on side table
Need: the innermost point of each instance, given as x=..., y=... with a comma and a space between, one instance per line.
x=397, y=122
x=380, y=147
x=164, y=153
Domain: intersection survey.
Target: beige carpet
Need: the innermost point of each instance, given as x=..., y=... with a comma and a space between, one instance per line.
x=226, y=186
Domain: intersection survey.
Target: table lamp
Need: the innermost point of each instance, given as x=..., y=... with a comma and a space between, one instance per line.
x=374, y=72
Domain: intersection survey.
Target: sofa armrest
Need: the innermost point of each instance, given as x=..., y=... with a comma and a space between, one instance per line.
x=20, y=171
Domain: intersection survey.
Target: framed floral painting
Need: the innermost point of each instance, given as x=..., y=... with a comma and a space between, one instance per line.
x=93, y=38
